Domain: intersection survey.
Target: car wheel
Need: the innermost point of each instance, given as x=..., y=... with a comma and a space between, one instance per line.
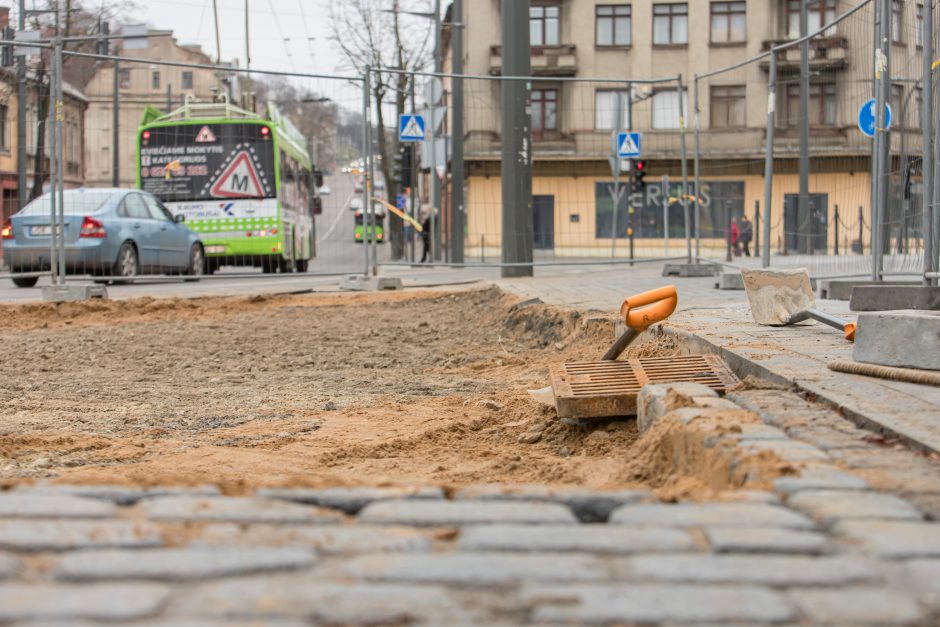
x=127, y=264
x=28, y=281
x=197, y=263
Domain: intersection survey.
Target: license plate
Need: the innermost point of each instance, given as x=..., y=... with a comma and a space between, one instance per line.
x=215, y=250
x=40, y=230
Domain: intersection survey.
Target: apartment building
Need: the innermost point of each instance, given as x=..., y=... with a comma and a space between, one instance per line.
x=628, y=42
x=140, y=85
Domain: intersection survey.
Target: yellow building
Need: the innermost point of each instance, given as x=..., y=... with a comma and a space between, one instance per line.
x=588, y=54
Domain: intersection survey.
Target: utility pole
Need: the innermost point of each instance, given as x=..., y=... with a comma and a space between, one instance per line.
x=116, y=127
x=516, y=169
x=436, y=182
x=882, y=138
x=247, y=42
x=458, y=209
x=21, y=113
x=218, y=49
x=803, y=204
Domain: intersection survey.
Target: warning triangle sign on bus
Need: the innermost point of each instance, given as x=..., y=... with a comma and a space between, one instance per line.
x=205, y=136
x=238, y=180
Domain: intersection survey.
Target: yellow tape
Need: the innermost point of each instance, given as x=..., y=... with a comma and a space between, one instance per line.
x=935, y=64
x=398, y=212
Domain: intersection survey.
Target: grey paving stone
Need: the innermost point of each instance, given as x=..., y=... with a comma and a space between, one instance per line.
x=709, y=514
x=322, y=601
x=178, y=564
x=324, y=539
x=72, y=603
x=172, y=622
x=65, y=534
x=748, y=496
x=922, y=576
x=643, y=603
x=597, y=538
x=652, y=401
x=747, y=433
x=857, y=606
x=764, y=540
x=776, y=570
x=442, y=513
x=235, y=509
x=8, y=565
x=351, y=500
x=24, y=505
x=892, y=538
x=787, y=450
x=121, y=495
x=829, y=506
x=588, y=505
x=475, y=568
x=819, y=477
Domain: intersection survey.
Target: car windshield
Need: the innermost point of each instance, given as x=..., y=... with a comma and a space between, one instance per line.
x=77, y=202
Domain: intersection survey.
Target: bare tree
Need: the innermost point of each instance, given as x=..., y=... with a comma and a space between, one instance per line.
x=377, y=33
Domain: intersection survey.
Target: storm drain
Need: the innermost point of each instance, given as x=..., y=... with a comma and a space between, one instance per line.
x=601, y=389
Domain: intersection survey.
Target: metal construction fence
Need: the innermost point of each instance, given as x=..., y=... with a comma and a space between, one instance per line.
x=285, y=172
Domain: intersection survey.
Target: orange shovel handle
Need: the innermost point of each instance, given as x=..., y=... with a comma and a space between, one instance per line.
x=642, y=310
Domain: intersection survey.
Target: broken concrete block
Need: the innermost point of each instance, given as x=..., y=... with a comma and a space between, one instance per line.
x=657, y=400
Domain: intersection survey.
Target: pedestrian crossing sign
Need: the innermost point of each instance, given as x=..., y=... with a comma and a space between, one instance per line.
x=628, y=145
x=410, y=128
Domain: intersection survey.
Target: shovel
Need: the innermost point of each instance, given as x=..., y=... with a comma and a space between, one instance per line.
x=785, y=297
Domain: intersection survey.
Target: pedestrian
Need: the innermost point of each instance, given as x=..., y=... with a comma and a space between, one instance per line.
x=747, y=234
x=426, y=236
x=735, y=237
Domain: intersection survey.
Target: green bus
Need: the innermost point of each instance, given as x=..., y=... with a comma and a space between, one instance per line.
x=243, y=181
x=360, y=228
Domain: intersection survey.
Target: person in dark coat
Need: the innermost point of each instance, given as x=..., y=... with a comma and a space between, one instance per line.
x=747, y=234
x=426, y=237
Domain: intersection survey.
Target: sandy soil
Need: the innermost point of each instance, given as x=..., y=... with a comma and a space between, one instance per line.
x=313, y=390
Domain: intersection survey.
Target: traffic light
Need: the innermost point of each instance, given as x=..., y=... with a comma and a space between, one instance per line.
x=6, y=51
x=104, y=29
x=639, y=174
x=407, y=164
x=397, y=165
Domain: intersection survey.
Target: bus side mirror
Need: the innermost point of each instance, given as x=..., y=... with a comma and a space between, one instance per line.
x=316, y=205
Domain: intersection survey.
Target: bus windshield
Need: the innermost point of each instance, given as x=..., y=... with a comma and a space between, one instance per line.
x=205, y=161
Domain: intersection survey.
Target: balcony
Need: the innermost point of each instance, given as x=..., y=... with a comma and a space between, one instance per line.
x=826, y=54
x=561, y=60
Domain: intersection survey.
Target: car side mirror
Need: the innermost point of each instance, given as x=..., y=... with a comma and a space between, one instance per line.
x=179, y=218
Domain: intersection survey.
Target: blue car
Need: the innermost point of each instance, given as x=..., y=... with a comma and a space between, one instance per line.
x=108, y=232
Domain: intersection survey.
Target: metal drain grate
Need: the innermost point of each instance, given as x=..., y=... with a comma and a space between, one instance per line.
x=597, y=389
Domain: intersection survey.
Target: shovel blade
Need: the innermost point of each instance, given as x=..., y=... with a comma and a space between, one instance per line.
x=774, y=295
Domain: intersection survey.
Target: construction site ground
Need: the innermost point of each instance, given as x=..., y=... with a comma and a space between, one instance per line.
x=329, y=458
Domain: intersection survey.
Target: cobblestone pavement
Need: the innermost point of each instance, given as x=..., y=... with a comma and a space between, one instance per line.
x=823, y=546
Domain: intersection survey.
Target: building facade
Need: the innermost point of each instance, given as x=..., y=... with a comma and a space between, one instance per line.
x=140, y=85
x=592, y=60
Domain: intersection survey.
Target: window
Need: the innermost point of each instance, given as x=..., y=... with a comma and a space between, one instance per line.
x=670, y=24
x=728, y=107
x=821, y=12
x=155, y=79
x=613, y=25
x=544, y=110
x=919, y=96
x=4, y=135
x=822, y=104
x=156, y=210
x=543, y=25
x=919, y=30
x=187, y=80
x=729, y=22
x=666, y=108
x=134, y=207
x=897, y=21
x=124, y=79
x=897, y=106
x=605, y=110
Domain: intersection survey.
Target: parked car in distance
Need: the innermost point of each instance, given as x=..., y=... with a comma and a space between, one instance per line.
x=108, y=232
x=325, y=190
x=355, y=203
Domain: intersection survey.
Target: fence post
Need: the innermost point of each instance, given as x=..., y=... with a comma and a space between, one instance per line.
x=769, y=154
x=698, y=180
x=59, y=189
x=861, y=230
x=366, y=151
x=756, y=228
x=666, y=205
x=685, y=175
x=882, y=138
x=728, y=232
x=53, y=173
x=836, y=232
x=927, y=167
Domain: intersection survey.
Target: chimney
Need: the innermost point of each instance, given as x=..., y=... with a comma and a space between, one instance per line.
x=4, y=17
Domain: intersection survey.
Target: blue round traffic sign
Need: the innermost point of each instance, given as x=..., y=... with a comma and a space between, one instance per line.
x=867, y=118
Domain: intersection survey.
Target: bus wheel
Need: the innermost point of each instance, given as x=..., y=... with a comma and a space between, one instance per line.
x=269, y=264
x=285, y=265
x=301, y=265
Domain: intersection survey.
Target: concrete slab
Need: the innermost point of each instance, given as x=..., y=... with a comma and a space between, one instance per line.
x=73, y=292
x=729, y=281
x=841, y=289
x=892, y=297
x=689, y=269
x=359, y=283
x=906, y=339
